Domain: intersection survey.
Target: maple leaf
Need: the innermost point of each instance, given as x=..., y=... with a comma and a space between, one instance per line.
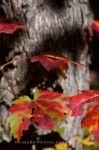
x=85, y=141
x=53, y=104
x=43, y=110
x=19, y=122
x=21, y=104
x=95, y=25
x=51, y=62
x=23, y=126
x=91, y=121
x=43, y=120
x=9, y=27
x=77, y=102
x=62, y=146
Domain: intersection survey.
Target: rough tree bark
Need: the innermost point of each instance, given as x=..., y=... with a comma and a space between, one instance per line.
x=53, y=25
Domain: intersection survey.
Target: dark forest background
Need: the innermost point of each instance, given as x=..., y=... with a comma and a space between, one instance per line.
x=95, y=49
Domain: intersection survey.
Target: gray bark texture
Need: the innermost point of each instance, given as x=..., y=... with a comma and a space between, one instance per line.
x=52, y=26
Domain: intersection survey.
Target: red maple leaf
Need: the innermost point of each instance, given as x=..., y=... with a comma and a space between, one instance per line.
x=91, y=121
x=21, y=104
x=23, y=126
x=77, y=102
x=43, y=120
x=95, y=25
x=53, y=104
x=43, y=110
x=51, y=62
x=9, y=27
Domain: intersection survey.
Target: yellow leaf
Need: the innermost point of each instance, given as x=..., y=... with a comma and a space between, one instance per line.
x=85, y=141
x=62, y=146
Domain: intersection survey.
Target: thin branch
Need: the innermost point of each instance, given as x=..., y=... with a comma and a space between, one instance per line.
x=6, y=64
x=7, y=79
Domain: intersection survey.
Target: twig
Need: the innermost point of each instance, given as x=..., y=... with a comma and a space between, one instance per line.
x=6, y=64
x=5, y=76
x=7, y=79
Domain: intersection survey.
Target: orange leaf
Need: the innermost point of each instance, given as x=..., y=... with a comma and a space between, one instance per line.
x=91, y=121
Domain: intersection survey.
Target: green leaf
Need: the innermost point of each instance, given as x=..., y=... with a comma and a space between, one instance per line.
x=22, y=99
x=14, y=122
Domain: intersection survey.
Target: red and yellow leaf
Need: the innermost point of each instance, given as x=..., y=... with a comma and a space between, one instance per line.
x=53, y=104
x=48, y=107
x=19, y=122
x=21, y=104
x=91, y=121
x=43, y=111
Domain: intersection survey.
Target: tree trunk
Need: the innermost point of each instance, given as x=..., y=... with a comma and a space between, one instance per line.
x=52, y=26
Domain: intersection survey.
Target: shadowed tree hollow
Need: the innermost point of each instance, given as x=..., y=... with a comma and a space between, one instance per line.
x=53, y=26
